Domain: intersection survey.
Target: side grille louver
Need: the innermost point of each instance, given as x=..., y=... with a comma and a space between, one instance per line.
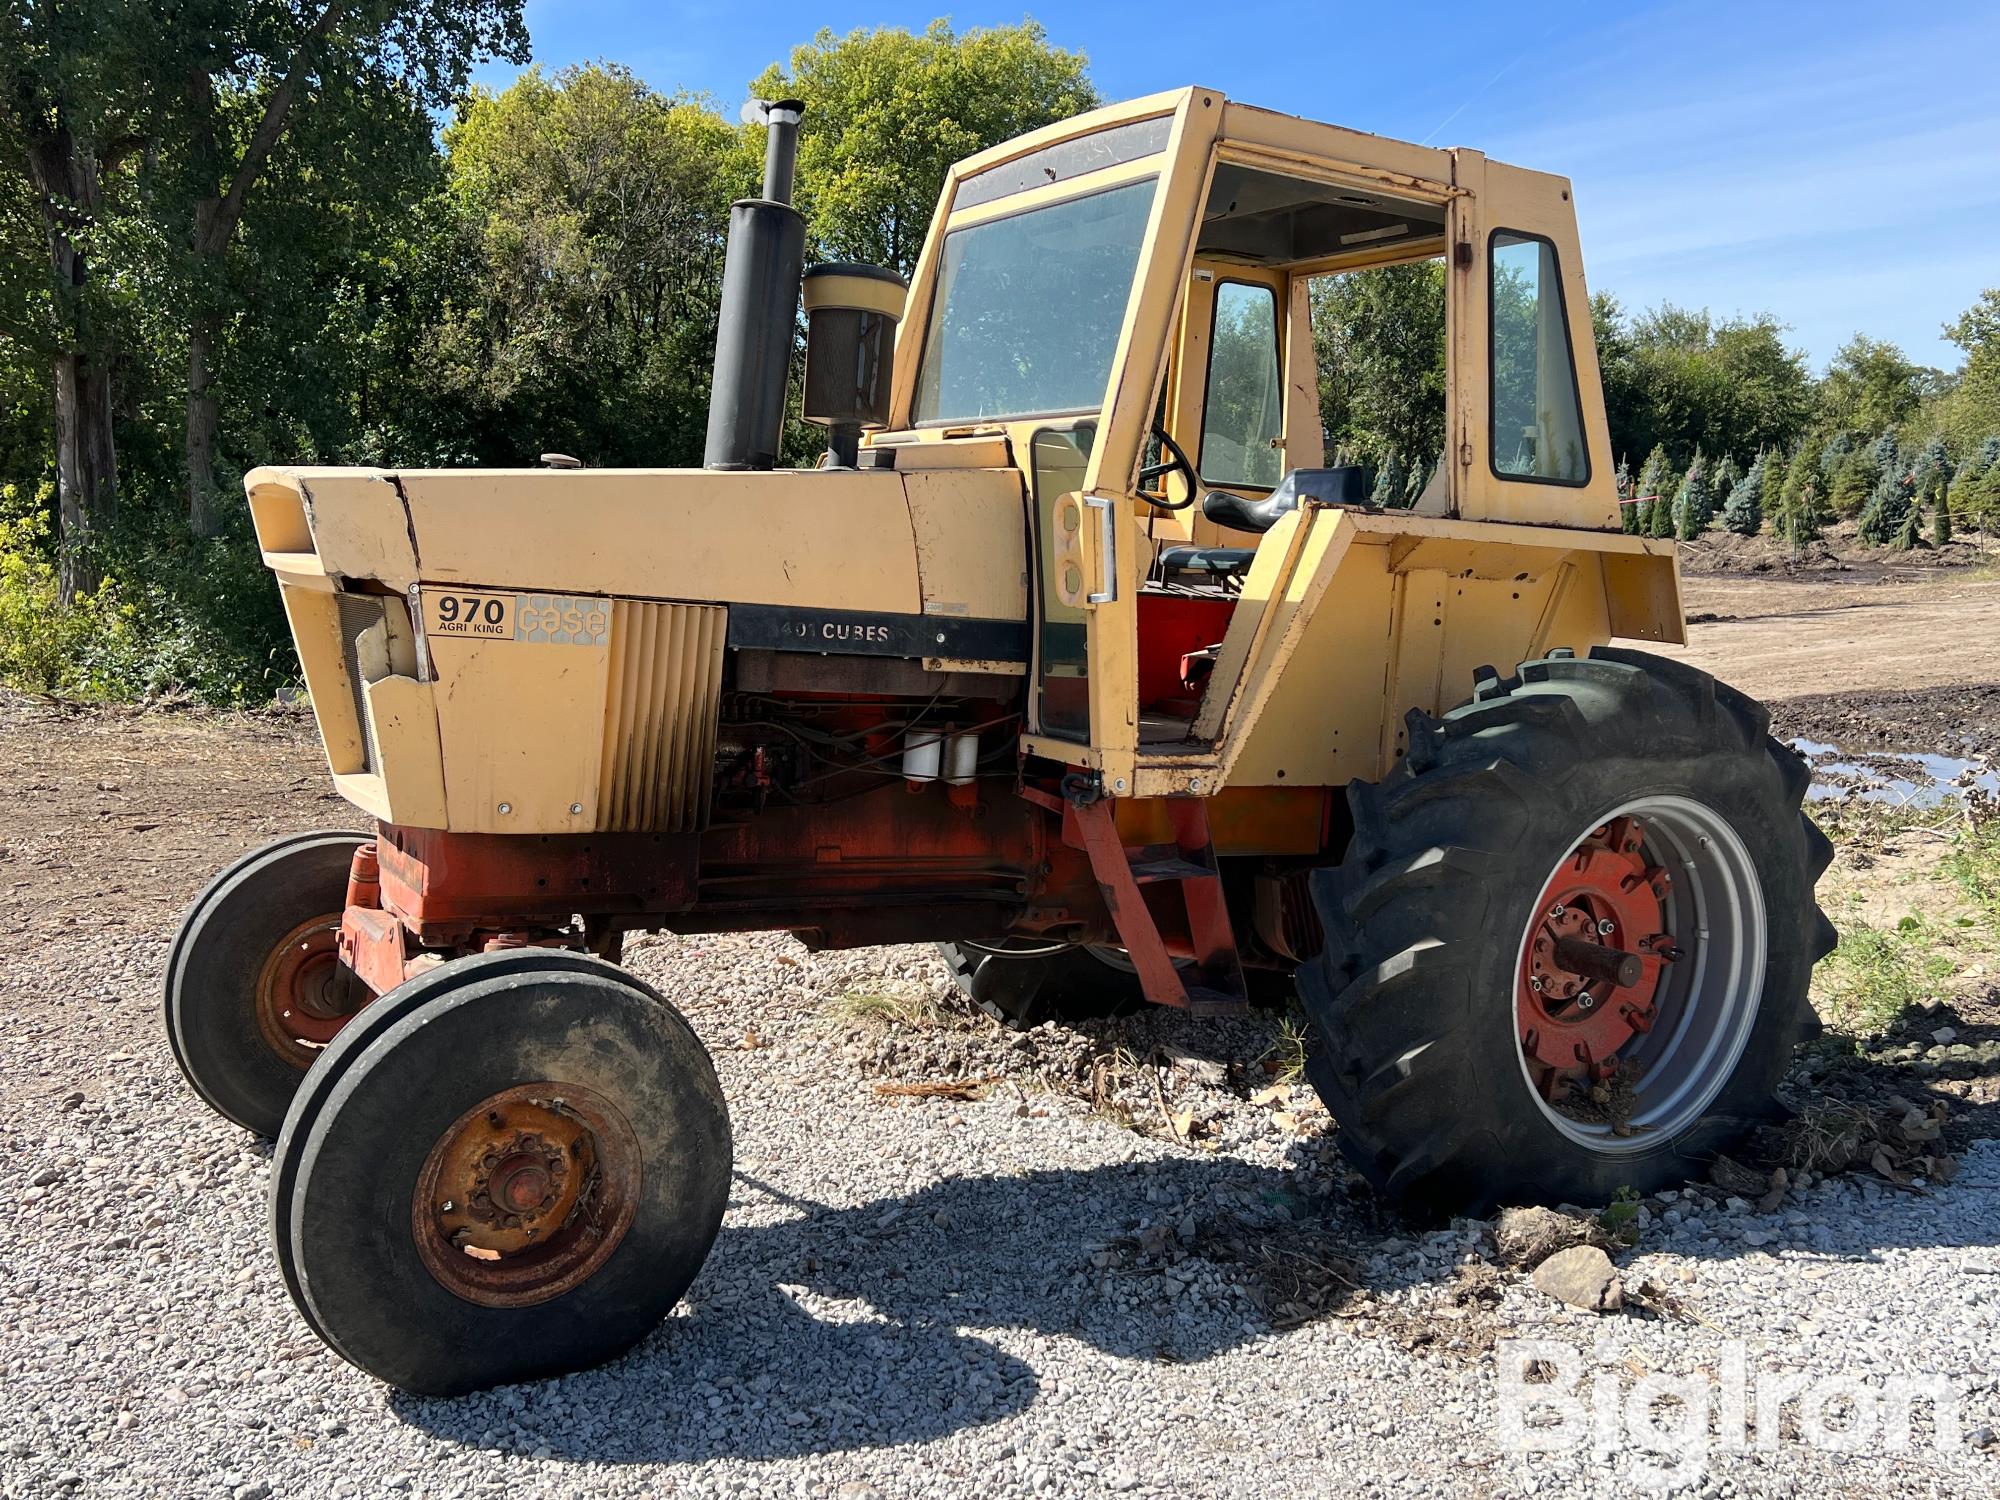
x=661, y=704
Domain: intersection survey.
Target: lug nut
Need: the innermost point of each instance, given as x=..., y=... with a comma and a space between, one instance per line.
x=1558, y=909
x=1585, y=1000
x=1605, y=926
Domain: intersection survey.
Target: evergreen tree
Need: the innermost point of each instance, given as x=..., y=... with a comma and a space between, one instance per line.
x=1628, y=513
x=1389, y=481
x=1419, y=481
x=1833, y=452
x=1887, y=519
x=1941, y=519
x=1694, y=505
x=1743, y=511
x=1931, y=474
x=1808, y=511
x=1799, y=497
x=1660, y=522
x=1652, y=480
x=1855, y=481
x=1885, y=452
x=1727, y=477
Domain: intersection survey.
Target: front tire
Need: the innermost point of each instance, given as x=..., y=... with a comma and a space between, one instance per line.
x=1630, y=815
x=518, y=1177
x=254, y=988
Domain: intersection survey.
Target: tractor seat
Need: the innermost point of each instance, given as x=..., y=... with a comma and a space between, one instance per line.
x=1217, y=562
x=1346, y=485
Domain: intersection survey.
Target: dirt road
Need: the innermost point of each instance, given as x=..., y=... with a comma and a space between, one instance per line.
x=1858, y=660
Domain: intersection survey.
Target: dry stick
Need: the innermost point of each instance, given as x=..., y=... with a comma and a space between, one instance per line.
x=1160, y=1097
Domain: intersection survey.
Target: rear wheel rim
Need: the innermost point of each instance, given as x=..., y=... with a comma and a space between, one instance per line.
x=1660, y=1049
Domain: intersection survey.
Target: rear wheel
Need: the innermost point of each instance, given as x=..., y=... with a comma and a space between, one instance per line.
x=1568, y=949
x=1024, y=983
x=518, y=1176
x=254, y=987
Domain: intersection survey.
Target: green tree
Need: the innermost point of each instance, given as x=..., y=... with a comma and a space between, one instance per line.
x=1972, y=409
x=1743, y=511
x=1680, y=378
x=1855, y=481
x=249, y=72
x=1379, y=336
x=1807, y=512
x=888, y=111
x=1888, y=517
x=1694, y=505
x=76, y=107
x=1969, y=481
x=1390, y=481
x=587, y=214
x=1654, y=476
x=1872, y=385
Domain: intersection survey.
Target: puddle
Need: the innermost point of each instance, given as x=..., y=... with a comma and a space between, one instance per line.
x=1899, y=777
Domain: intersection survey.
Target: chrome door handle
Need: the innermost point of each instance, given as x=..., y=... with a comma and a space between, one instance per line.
x=1107, y=547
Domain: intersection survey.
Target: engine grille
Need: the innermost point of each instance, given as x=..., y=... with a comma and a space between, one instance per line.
x=661, y=704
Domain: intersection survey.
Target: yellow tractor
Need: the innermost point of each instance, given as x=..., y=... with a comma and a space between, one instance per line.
x=1074, y=655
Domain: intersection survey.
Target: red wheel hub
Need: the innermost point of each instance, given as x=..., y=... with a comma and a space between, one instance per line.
x=1597, y=945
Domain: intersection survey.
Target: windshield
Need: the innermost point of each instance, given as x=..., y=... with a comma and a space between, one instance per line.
x=1027, y=311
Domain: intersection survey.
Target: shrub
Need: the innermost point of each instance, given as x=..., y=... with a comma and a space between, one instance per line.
x=180, y=618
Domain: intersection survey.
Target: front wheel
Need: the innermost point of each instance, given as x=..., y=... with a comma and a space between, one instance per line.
x=1569, y=947
x=516, y=1174
x=254, y=985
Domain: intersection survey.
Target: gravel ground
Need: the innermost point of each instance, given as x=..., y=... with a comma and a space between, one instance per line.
x=1043, y=1289
x=1016, y=1294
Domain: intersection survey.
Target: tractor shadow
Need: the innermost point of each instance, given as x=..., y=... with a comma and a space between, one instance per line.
x=815, y=1329
x=824, y=1329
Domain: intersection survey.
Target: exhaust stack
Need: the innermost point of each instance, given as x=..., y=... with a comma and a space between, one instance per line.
x=758, y=318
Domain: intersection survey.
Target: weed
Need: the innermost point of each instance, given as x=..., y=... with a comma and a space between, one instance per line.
x=1877, y=973
x=1973, y=863
x=913, y=1009
x=1291, y=1036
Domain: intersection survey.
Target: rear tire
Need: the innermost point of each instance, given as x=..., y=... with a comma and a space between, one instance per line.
x=517, y=1177
x=1420, y=994
x=1073, y=983
x=252, y=988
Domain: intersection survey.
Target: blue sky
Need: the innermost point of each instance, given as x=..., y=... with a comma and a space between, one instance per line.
x=1837, y=165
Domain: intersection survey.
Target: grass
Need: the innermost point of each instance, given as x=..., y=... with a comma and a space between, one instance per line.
x=1877, y=973
x=914, y=1009
x=1973, y=863
x=1290, y=1037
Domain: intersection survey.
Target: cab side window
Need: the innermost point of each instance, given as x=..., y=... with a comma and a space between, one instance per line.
x=1537, y=416
x=1242, y=416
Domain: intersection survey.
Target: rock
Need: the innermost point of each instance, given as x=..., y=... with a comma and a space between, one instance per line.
x=1582, y=1276
x=256, y=1491
x=47, y=1177
x=1526, y=1237
x=1121, y=1479
x=1944, y=1035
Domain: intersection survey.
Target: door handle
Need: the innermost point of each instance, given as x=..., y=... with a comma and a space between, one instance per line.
x=1107, y=547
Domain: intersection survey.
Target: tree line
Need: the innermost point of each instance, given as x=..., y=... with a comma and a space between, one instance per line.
x=244, y=231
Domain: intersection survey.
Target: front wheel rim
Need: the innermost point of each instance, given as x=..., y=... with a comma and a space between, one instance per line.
x=1618, y=1060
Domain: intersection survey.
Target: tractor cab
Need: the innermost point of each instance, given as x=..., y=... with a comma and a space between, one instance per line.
x=1128, y=299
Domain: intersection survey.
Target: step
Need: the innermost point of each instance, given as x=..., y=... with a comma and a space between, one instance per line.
x=1170, y=867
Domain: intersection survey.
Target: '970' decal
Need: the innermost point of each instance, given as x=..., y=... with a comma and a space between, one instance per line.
x=548, y=619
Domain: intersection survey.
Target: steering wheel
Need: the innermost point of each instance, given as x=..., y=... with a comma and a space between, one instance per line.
x=1177, y=463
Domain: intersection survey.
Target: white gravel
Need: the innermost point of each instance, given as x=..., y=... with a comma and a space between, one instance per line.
x=1016, y=1295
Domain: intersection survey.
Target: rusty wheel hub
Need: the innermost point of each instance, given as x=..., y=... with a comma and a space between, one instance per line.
x=526, y=1195
x=304, y=996
x=1591, y=969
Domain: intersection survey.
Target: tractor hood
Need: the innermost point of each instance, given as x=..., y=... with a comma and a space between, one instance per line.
x=489, y=617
